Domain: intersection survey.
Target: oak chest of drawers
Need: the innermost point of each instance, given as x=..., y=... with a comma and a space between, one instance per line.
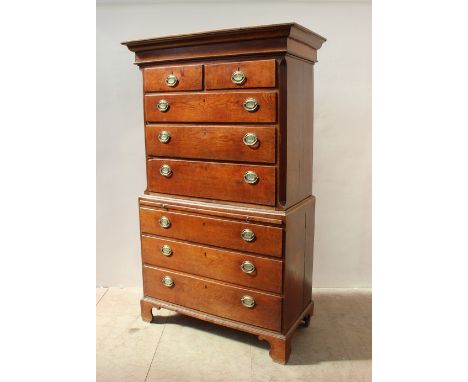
x=227, y=219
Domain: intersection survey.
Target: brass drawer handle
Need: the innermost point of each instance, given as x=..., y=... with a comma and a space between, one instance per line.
x=238, y=77
x=250, y=139
x=248, y=235
x=248, y=301
x=167, y=281
x=164, y=136
x=162, y=105
x=165, y=170
x=172, y=80
x=248, y=267
x=251, y=104
x=164, y=222
x=166, y=250
x=250, y=177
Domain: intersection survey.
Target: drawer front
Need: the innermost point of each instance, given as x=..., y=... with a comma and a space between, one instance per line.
x=221, y=181
x=233, y=267
x=242, y=74
x=213, y=231
x=230, y=143
x=210, y=107
x=213, y=297
x=160, y=79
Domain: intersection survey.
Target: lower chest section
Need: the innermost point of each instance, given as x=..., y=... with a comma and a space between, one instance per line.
x=243, y=265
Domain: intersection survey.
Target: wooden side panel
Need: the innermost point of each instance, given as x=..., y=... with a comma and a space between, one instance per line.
x=221, y=181
x=214, y=263
x=211, y=107
x=309, y=252
x=294, y=264
x=299, y=130
x=258, y=74
x=213, y=231
x=189, y=78
x=213, y=297
x=213, y=142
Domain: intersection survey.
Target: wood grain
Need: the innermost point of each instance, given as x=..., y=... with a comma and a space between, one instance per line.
x=213, y=297
x=214, y=263
x=297, y=132
x=212, y=142
x=221, y=181
x=259, y=74
x=211, y=107
x=189, y=76
x=213, y=231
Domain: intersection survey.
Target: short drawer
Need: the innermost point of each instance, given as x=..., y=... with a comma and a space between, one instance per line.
x=220, y=181
x=233, y=267
x=230, y=143
x=172, y=78
x=231, y=234
x=241, y=74
x=213, y=297
x=211, y=107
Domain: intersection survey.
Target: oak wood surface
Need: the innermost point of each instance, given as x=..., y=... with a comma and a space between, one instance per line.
x=211, y=107
x=189, y=78
x=214, y=263
x=294, y=255
x=298, y=131
x=212, y=142
x=213, y=231
x=222, y=181
x=213, y=297
x=259, y=74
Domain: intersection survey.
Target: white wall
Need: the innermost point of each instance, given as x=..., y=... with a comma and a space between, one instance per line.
x=342, y=148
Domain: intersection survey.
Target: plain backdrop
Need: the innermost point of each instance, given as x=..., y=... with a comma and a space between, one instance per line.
x=342, y=140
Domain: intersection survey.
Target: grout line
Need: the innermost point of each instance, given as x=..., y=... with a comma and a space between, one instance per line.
x=107, y=290
x=154, y=354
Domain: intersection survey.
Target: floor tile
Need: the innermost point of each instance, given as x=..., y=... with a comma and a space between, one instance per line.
x=125, y=345
x=204, y=352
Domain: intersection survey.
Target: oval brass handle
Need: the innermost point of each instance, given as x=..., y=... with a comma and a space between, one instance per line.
x=251, y=104
x=164, y=136
x=166, y=250
x=162, y=105
x=164, y=222
x=165, y=170
x=167, y=281
x=238, y=77
x=248, y=234
x=248, y=267
x=250, y=139
x=248, y=301
x=172, y=80
x=250, y=177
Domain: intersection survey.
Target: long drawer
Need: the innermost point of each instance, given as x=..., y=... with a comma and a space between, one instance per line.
x=213, y=297
x=233, y=267
x=211, y=107
x=221, y=181
x=229, y=143
x=232, y=234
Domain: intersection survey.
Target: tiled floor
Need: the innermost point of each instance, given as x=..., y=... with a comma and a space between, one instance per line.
x=336, y=346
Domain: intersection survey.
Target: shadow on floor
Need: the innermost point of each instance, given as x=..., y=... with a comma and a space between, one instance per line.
x=340, y=330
